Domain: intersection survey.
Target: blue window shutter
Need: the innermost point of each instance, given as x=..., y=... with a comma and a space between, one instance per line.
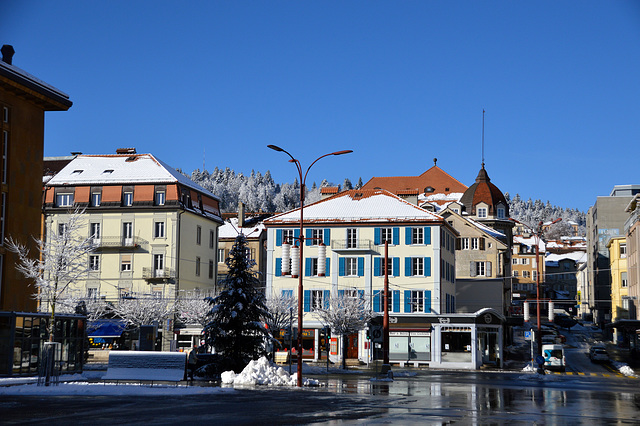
x=396, y=266
x=326, y=234
x=341, y=266
x=307, y=235
x=396, y=300
x=427, y=235
x=278, y=266
x=427, y=266
x=326, y=297
x=396, y=236
x=341, y=293
x=296, y=234
x=407, y=300
x=328, y=269
x=407, y=266
x=361, y=266
x=376, y=236
x=377, y=266
x=361, y=294
x=307, y=267
x=307, y=301
x=407, y=236
x=278, y=237
x=376, y=301
x=427, y=301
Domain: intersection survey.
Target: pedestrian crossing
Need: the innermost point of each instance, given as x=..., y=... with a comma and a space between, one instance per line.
x=578, y=373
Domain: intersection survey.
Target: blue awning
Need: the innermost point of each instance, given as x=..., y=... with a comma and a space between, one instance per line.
x=106, y=328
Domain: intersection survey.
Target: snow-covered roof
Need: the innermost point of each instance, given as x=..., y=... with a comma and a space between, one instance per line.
x=375, y=205
x=493, y=232
x=529, y=242
x=553, y=259
x=230, y=229
x=121, y=169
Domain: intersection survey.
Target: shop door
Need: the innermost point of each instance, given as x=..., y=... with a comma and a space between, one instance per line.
x=352, y=346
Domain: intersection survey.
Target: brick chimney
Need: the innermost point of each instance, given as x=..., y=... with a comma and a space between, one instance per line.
x=7, y=53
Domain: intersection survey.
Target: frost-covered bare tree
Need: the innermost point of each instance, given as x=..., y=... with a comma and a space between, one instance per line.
x=193, y=309
x=63, y=260
x=144, y=310
x=93, y=308
x=284, y=312
x=346, y=314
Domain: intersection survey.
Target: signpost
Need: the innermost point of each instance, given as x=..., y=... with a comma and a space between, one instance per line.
x=529, y=335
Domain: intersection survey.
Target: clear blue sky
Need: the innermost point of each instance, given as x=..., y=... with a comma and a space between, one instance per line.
x=397, y=82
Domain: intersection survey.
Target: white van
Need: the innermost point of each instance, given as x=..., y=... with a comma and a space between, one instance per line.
x=553, y=357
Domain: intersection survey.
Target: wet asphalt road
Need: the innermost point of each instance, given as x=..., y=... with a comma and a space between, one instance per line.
x=428, y=398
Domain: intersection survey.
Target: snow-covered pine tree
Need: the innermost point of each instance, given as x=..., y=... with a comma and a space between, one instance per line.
x=236, y=321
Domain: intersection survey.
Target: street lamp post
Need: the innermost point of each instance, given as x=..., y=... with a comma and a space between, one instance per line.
x=303, y=179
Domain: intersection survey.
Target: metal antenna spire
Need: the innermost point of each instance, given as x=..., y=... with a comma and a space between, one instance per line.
x=483, y=138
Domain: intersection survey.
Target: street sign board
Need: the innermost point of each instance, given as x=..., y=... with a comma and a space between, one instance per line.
x=528, y=335
x=377, y=335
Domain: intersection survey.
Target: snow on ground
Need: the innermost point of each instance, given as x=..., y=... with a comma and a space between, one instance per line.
x=624, y=369
x=104, y=389
x=261, y=372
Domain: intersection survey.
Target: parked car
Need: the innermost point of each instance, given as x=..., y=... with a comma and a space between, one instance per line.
x=598, y=353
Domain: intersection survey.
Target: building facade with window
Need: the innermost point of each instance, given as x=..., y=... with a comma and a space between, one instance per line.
x=256, y=236
x=155, y=230
x=24, y=100
x=524, y=269
x=344, y=255
x=605, y=219
x=619, y=280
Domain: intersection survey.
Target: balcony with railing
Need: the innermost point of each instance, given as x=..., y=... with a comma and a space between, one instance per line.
x=152, y=274
x=119, y=242
x=352, y=245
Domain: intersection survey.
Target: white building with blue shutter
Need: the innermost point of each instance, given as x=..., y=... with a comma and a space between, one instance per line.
x=344, y=249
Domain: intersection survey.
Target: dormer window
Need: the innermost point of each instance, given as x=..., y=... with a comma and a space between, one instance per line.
x=77, y=172
x=482, y=212
x=429, y=189
x=500, y=212
x=127, y=199
x=107, y=172
x=64, y=200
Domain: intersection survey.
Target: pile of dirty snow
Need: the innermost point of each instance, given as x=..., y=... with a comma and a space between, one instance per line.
x=261, y=372
x=624, y=369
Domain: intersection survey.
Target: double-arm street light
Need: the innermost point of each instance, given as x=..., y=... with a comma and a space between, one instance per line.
x=303, y=179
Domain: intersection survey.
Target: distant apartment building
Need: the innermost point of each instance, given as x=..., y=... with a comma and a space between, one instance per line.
x=24, y=99
x=256, y=236
x=524, y=267
x=156, y=231
x=344, y=252
x=480, y=214
x=619, y=278
x=605, y=219
x=632, y=232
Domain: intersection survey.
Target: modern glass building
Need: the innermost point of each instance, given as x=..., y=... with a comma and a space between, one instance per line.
x=23, y=335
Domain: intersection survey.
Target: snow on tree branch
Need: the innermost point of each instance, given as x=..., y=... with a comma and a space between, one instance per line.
x=63, y=260
x=144, y=310
x=346, y=314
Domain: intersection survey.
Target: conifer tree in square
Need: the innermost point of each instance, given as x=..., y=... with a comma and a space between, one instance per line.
x=236, y=327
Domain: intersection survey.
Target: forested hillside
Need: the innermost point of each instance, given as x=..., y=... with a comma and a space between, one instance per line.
x=260, y=193
x=531, y=212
